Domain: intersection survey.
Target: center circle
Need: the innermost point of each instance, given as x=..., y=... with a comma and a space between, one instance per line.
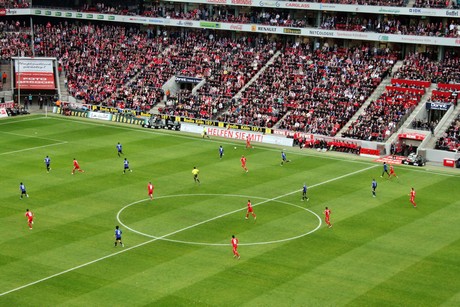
x=263, y=200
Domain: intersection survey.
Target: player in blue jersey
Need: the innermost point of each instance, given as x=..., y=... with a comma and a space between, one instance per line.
x=374, y=187
x=385, y=170
x=22, y=188
x=284, y=158
x=48, y=164
x=126, y=166
x=119, y=149
x=221, y=151
x=304, y=193
x=118, y=233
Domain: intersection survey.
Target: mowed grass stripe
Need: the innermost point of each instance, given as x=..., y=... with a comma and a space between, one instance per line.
x=408, y=287
x=198, y=275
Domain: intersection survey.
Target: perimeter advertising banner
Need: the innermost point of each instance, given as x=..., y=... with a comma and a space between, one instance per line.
x=34, y=74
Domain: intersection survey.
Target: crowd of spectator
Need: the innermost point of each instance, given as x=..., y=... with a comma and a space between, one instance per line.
x=451, y=139
x=311, y=91
x=17, y=4
x=382, y=117
x=421, y=66
x=391, y=25
x=226, y=64
x=99, y=60
x=437, y=4
x=14, y=40
x=420, y=124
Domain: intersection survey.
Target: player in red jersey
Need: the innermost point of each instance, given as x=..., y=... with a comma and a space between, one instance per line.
x=392, y=172
x=235, y=247
x=248, y=142
x=30, y=218
x=412, y=197
x=76, y=167
x=250, y=210
x=243, y=163
x=150, y=189
x=327, y=217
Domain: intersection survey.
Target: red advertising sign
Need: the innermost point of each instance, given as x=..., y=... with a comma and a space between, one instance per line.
x=412, y=136
x=34, y=74
x=2, y=12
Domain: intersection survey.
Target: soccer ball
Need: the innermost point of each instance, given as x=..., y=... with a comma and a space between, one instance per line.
x=234, y=147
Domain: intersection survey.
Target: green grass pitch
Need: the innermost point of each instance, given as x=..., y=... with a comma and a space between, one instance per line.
x=380, y=251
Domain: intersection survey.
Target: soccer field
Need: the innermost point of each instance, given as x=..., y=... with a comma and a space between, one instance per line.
x=380, y=251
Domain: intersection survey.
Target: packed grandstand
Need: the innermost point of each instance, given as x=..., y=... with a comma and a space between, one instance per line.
x=326, y=87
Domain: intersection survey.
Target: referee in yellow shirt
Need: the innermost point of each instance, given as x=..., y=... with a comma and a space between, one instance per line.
x=195, y=173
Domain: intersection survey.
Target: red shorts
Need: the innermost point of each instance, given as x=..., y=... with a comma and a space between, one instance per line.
x=30, y=220
x=327, y=219
x=243, y=165
x=250, y=210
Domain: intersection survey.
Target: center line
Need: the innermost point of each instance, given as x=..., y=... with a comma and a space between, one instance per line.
x=172, y=233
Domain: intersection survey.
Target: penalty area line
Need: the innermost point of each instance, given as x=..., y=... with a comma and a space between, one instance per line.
x=164, y=236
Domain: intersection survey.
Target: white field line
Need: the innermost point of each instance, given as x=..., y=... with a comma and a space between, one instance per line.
x=21, y=120
x=221, y=141
x=31, y=148
x=218, y=140
x=31, y=136
x=241, y=209
x=167, y=235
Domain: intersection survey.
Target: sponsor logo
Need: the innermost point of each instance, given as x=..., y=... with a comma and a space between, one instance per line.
x=216, y=1
x=390, y=11
x=68, y=14
x=253, y=28
x=457, y=41
x=89, y=16
x=100, y=16
x=111, y=17
x=298, y=5
x=323, y=6
x=3, y=113
x=292, y=31
x=321, y=33
x=11, y=12
x=79, y=15
x=244, y=2
x=266, y=29
x=452, y=13
x=384, y=38
x=208, y=24
x=269, y=3
x=38, y=12
x=48, y=13
x=58, y=14
x=188, y=23
x=160, y=21
x=2, y=12
x=185, y=79
x=415, y=11
x=236, y=27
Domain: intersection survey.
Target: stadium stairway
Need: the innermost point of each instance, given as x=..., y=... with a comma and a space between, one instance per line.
x=374, y=96
x=254, y=78
x=257, y=75
x=406, y=126
x=6, y=68
x=440, y=129
x=65, y=96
